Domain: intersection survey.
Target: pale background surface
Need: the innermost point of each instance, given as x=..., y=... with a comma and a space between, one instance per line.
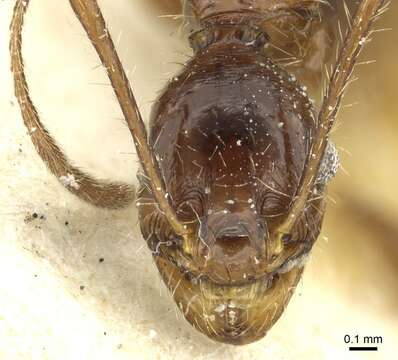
x=124, y=311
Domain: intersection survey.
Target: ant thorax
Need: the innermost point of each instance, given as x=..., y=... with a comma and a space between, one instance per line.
x=297, y=34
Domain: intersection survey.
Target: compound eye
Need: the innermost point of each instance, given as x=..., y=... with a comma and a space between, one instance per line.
x=272, y=205
x=329, y=165
x=191, y=207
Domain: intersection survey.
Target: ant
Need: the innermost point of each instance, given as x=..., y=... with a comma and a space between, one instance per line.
x=237, y=159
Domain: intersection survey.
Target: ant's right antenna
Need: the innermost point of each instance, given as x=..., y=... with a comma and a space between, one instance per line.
x=355, y=40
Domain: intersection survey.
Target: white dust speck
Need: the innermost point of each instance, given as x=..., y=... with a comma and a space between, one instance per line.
x=220, y=308
x=69, y=180
x=232, y=317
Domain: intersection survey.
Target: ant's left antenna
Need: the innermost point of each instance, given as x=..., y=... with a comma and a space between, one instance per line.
x=90, y=16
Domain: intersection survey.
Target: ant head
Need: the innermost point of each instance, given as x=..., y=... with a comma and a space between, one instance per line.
x=231, y=134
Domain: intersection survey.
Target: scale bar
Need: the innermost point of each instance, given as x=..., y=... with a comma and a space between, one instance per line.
x=363, y=348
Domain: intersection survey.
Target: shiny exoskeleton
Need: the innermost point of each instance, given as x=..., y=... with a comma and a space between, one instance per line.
x=232, y=134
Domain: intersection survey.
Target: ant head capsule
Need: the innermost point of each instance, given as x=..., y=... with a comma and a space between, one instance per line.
x=232, y=135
